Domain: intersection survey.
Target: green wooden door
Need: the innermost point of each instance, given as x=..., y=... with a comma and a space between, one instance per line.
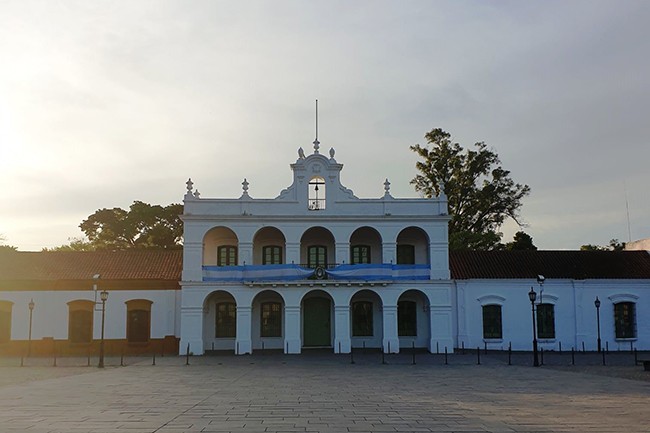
x=316, y=322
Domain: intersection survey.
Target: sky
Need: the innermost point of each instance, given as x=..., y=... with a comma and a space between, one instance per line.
x=107, y=102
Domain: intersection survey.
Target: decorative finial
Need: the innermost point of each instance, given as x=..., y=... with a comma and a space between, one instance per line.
x=332, y=152
x=301, y=153
x=316, y=146
x=190, y=185
x=441, y=188
x=197, y=194
x=387, y=186
x=245, y=186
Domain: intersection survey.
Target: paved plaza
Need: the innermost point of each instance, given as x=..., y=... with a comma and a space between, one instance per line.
x=317, y=394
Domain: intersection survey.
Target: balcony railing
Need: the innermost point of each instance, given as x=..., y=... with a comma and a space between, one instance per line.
x=292, y=272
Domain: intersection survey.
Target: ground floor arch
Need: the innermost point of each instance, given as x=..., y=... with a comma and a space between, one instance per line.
x=268, y=321
x=366, y=319
x=317, y=319
x=413, y=321
x=219, y=321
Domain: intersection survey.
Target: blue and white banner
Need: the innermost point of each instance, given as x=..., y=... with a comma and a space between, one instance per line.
x=292, y=272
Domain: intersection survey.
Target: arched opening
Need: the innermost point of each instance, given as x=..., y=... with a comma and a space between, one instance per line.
x=365, y=246
x=220, y=247
x=269, y=247
x=268, y=321
x=219, y=321
x=412, y=247
x=413, y=323
x=317, y=248
x=138, y=320
x=317, y=318
x=80, y=321
x=316, y=193
x=366, y=319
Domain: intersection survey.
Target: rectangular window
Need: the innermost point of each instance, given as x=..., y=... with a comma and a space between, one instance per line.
x=545, y=321
x=5, y=326
x=80, y=326
x=360, y=254
x=407, y=324
x=272, y=255
x=271, y=325
x=226, y=320
x=316, y=256
x=138, y=326
x=227, y=255
x=625, y=320
x=492, y=322
x=405, y=254
x=362, y=325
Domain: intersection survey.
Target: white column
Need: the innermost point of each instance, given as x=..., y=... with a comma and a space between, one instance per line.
x=389, y=252
x=342, y=329
x=441, y=326
x=245, y=253
x=390, y=329
x=342, y=252
x=193, y=261
x=292, y=252
x=243, y=343
x=292, y=343
x=191, y=330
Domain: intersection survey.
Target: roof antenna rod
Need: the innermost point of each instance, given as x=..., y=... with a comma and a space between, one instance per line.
x=317, y=120
x=627, y=209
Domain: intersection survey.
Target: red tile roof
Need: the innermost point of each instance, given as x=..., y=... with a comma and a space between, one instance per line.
x=577, y=265
x=76, y=265
x=167, y=265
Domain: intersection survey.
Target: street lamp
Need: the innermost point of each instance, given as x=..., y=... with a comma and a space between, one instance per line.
x=104, y=296
x=532, y=296
x=31, y=310
x=597, y=304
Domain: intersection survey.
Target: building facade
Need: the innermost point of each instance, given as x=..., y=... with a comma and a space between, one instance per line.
x=318, y=267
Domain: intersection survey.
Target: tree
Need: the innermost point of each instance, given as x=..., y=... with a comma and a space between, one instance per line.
x=75, y=244
x=614, y=245
x=521, y=241
x=142, y=226
x=480, y=193
x=6, y=248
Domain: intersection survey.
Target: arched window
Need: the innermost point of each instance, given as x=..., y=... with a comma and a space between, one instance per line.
x=271, y=324
x=138, y=320
x=5, y=321
x=80, y=321
x=492, y=322
x=317, y=193
x=272, y=255
x=362, y=324
x=227, y=255
x=407, y=323
x=405, y=254
x=625, y=319
x=226, y=320
x=360, y=254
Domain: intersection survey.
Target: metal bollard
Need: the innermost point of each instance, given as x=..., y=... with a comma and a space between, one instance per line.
x=154, y=359
x=88, y=365
x=542, y=356
x=22, y=362
x=237, y=349
x=122, y=359
x=389, y=347
x=351, y=354
x=583, y=347
x=478, y=355
x=437, y=348
x=187, y=355
x=607, y=346
x=462, y=347
x=413, y=352
x=510, y=353
x=287, y=348
x=573, y=356
x=636, y=357
x=446, y=363
x=339, y=347
x=383, y=356
x=364, y=347
x=603, y=357
x=485, y=347
x=560, y=347
x=631, y=346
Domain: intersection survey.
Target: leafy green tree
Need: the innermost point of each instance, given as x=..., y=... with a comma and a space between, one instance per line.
x=521, y=241
x=6, y=248
x=614, y=245
x=480, y=193
x=142, y=226
x=75, y=244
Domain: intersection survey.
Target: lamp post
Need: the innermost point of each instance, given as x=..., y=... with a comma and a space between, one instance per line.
x=532, y=296
x=104, y=297
x=597, y=304
x=31, y=310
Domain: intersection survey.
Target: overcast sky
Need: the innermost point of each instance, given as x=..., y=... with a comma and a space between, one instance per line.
x=104, y=103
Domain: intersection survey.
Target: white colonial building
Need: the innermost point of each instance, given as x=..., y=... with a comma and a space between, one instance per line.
x=318, y=267
x=315, y=267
